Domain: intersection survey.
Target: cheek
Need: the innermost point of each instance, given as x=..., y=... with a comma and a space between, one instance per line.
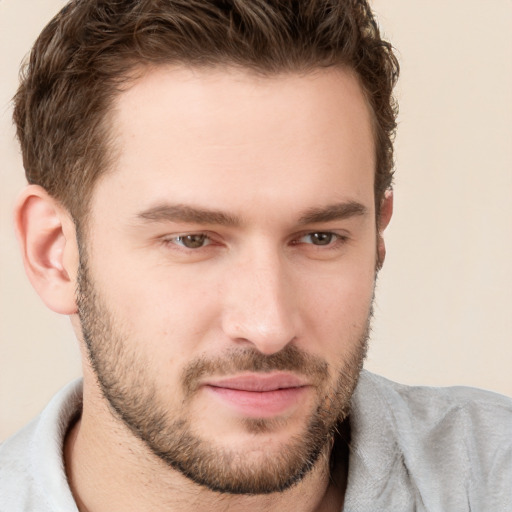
x=337, y=308
x=343, y=307
x=164, y=309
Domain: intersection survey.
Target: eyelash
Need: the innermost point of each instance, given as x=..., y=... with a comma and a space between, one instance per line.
x=204, y=236
x=335, y=241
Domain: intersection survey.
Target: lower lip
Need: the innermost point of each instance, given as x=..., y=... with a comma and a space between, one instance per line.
x=259, y=404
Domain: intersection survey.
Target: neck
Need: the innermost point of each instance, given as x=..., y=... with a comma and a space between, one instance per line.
x=109, y=469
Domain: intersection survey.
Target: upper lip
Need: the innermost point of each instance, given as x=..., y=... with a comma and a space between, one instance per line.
x=258, y=382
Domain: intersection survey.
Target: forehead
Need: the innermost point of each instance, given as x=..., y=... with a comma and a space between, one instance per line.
x=218, y=135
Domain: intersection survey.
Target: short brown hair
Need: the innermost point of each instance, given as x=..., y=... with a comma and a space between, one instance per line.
x=84, y=55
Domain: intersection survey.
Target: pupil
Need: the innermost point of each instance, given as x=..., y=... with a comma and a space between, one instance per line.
x=322, y=238
x=193, y=241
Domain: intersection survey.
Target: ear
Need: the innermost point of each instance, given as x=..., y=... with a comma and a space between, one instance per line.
x=386, y=211
x=46, y=233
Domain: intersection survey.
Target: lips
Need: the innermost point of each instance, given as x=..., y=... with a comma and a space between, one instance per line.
x=259, y=382
x=259, y=395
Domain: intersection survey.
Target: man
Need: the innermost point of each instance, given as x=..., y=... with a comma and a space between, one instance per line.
x=209, y=187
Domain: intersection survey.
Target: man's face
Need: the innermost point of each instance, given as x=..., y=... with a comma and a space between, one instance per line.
x=228, y=269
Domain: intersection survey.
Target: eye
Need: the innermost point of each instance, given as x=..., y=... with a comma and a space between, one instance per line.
x=192, y=241
x=320, y=238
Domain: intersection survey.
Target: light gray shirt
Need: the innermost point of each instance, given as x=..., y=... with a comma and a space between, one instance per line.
x=412, y=449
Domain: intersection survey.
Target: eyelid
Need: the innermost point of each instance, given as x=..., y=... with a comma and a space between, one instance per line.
x=171, y=239
x=337, y=236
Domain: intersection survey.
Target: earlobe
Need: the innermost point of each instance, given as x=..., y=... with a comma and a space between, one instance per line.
x=47, y=238
x=385, y=214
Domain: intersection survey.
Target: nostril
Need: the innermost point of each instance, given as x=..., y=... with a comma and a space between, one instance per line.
x=267, y=340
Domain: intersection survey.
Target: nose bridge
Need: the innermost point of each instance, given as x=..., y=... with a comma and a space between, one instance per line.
x=260, y=306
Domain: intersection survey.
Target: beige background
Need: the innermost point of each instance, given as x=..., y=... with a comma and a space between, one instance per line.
x=444, y=300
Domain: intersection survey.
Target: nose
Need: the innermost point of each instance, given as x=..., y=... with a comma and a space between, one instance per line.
x=260, y=307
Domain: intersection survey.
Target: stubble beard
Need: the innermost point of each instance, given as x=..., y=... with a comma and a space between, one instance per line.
x=134, y=398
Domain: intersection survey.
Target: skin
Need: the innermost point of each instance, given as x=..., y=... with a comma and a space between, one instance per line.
x=271, y=153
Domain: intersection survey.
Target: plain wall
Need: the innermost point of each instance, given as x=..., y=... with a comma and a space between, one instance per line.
x=444, y=297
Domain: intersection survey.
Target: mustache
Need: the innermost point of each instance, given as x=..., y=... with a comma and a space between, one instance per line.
x=290, y=359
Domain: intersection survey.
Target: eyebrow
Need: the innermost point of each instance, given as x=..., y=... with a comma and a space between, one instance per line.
x=196, y=215
x=189, y=214
x=338, y=211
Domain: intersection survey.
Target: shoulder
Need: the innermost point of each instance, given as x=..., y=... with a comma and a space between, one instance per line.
x=464, y=409
x=424, y=396
x=32, y=474
x=444, y=448
x=444, y=420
